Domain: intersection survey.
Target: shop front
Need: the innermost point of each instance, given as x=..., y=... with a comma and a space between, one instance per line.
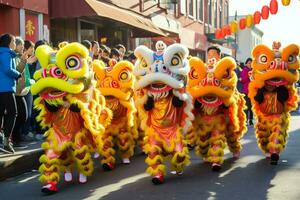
x=30, y=17
x=103, y=22
x=196, y=42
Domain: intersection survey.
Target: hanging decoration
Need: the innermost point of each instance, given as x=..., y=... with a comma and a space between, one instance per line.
x=256, y=17
x=286, y=2
x=265, y=12
x=234, y=26
x=242, y=23
x=273, y=7
x=250, y=20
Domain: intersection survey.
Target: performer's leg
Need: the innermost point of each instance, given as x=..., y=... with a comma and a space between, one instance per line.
x=125, y=142
x=180, y=157
x=263, y=133
x=66, y=160
x=277, y=139
x=202, y=142
x=49, y=169
x=233, y=142
x=216, y=150
x=154, y=160
x=107, y=151
x=191, y=138
x=82, y=157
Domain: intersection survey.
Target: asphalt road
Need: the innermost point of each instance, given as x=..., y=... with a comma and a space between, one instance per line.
x=250, y=177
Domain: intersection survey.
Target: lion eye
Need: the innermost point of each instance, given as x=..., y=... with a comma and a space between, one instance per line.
x=263, y=59
x=194, y=74
x=73, y=62
x=124, y=76
x=292, y=59
x=175, y=61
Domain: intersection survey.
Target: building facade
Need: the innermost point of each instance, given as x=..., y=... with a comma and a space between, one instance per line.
x=246, y=40
x=26, y=18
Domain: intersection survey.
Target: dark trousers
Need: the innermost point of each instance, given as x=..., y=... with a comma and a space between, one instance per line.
x=27, y=126
x=249, y=112
x=8, y=112
x=21, y=118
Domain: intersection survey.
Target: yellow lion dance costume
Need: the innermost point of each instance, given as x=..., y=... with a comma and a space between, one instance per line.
x=116, y=84
x=273, y=95
x=71, y=109
x=161, y=81
x=218, y=109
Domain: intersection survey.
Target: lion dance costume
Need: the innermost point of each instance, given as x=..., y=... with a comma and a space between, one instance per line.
x=218, y=109
x=273, y=95
x=116, y=84
x=161, y=81
x=71, y=109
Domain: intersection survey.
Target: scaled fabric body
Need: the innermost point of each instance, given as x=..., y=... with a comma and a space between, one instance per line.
x=166, y=107
x=218, y=109
x=116, y=84
x=273, y=95
x=72, y=111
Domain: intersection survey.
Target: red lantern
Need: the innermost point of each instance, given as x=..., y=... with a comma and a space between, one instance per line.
x=218, y=34
x=223, y=32
x=228, y=30
x=242, y=23
x=257, y=17
x=273, y=7
x=265, y=12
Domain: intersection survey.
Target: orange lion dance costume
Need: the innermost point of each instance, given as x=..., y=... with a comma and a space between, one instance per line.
x=71, y=109
x=161, y=81
x=116, y=84
x=273, y=95
x=218, y=109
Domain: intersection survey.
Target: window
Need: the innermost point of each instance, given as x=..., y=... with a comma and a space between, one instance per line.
x=200, y=10
x=215, y=15
x=220, y=15
x=87, y=31
x=183, y=7
x=191, y=7
x=226, y=11
x=209, y=9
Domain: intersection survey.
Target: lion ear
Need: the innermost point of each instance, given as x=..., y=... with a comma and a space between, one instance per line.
x=260, y=49
x=43, y=53
x=144, y=53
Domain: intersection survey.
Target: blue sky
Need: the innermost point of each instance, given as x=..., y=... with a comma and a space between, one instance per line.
x=284, y=26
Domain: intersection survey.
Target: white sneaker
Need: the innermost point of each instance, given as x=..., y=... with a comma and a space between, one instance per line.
x=125, y=160
x=68, y=176
x=96, y=155
x=82, y=178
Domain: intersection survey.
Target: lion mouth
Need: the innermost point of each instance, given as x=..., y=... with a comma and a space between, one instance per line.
x=159, y=87
x=210, y=100
x=277, y=82
x=53, y=94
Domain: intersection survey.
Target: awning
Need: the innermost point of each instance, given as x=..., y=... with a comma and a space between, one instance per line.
x=80, y=8
x=212, y=38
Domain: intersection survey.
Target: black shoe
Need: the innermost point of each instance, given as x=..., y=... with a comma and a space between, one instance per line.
x=7, y=146
x=250, y=123
x=107, y=167
x=215, y=167
x=157, y=180
x=274, y=159
x=190, y=146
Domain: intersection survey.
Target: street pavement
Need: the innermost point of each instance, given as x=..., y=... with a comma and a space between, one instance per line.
x=249, y=178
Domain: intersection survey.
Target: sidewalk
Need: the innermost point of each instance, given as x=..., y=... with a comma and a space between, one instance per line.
x=22, y=161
